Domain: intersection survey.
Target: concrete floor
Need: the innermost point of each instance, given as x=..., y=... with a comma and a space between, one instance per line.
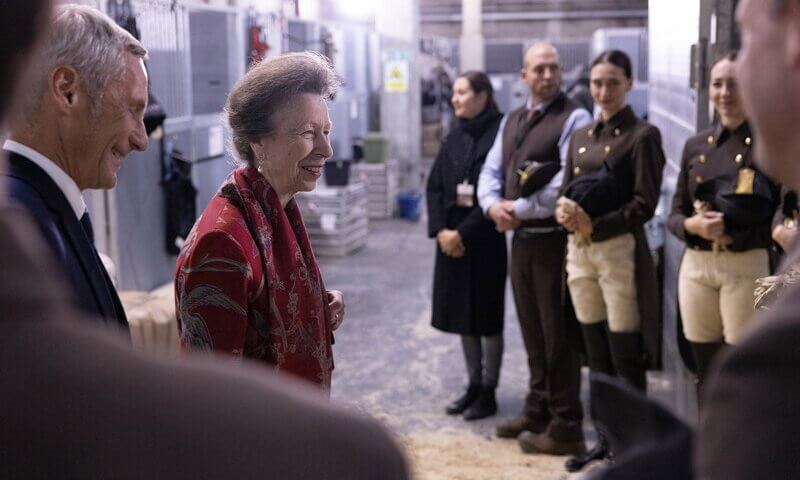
x=389, y=361
x=391, y=364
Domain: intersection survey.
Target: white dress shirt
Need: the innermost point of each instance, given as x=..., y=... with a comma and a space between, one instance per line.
x=59, y=176
x=541, y=204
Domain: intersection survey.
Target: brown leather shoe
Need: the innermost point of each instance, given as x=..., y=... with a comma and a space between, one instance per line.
x=531, y=442
x=512, y=427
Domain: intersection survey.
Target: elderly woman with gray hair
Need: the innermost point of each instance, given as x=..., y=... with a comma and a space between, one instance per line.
x=246, y=280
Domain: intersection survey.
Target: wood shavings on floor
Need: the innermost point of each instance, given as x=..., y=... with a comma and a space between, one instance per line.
x=437, y=456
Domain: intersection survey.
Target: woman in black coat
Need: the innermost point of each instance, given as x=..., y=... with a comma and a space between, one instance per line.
x=470, y=270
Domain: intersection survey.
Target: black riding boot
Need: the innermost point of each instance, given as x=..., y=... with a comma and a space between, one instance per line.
x=704, y=354
x=598, y=452
x=598, y=354
x=595, y=338
x=626, y=350
x=464, y=401
x=484, y=406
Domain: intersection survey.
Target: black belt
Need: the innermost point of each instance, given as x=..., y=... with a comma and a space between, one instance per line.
x=527, y=233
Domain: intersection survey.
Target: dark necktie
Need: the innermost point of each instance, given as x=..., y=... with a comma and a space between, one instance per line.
x=525, y=125
x=86, y=223
x=119, y=310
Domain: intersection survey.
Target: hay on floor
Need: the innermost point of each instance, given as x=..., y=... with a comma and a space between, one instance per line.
x=438, y=456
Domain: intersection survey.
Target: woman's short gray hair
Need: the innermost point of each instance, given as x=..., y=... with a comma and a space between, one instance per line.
x=90, y=42
x=271, y=86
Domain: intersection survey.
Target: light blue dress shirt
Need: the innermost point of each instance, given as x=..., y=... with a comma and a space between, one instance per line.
x=541, y=204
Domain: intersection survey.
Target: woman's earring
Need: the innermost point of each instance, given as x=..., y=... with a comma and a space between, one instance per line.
x=260, y=163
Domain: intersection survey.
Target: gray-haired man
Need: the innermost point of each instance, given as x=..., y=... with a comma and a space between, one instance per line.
x=82, y=114
x=76, y=402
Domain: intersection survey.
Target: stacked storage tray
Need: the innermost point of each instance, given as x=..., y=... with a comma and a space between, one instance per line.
x=335, y=218
x=382, y=184
x=152, y=321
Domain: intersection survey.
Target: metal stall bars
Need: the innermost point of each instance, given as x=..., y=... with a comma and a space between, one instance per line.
x=336, y=216
x=676, y=107
x=196, y=53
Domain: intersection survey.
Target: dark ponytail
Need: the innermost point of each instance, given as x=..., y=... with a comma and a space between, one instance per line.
x=617, y=58
x=479, y=82
x=731, y=55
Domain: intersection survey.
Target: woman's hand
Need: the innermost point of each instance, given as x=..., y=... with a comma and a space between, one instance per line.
x=336, y=304
x=450, y=242
x=709, y=225
x=783, y=236
x=584, y=222
x=560, y=214
x=572, y=217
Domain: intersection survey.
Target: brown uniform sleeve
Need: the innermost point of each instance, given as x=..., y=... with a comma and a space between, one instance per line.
x=648, y=163
x=681, y=201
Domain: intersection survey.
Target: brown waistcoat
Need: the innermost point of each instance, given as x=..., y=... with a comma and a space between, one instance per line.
x=536, y=141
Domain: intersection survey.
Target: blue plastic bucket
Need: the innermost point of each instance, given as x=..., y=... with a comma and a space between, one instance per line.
x=409, y=204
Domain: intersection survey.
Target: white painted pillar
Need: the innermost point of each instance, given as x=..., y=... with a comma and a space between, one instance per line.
x=471, y=46
x=398, y=24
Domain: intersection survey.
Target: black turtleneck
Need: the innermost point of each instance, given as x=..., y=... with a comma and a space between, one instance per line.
x=461, y=158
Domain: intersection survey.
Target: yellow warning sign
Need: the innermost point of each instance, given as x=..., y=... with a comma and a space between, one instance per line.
x=395, y=76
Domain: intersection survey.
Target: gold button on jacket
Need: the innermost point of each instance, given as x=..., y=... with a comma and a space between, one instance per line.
x=725, y=154
x=630, y=145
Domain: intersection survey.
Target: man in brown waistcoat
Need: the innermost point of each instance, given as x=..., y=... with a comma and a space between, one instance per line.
x=533, y=136
x=749, y=427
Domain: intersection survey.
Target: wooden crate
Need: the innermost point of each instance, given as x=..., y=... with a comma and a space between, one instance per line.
x=381, y=180
x=336, y=218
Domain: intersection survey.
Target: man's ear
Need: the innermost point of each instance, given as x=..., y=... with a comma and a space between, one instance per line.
x=64, y=88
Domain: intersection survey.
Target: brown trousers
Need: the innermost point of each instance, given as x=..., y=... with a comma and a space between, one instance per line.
x=537, y=268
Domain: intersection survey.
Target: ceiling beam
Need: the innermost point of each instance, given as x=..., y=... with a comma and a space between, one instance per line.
x=541, y=16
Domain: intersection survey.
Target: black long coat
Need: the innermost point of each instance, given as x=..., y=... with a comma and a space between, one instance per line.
x=468, y=292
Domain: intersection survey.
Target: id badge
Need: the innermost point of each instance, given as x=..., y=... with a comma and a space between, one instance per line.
x=464, y=193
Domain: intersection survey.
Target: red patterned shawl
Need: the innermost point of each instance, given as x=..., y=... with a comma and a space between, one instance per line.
x=285, y=312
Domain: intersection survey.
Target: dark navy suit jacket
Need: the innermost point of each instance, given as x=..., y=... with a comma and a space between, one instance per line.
x=29, y=186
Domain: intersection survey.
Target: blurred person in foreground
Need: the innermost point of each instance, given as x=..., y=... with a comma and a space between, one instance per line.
x=76, y=402
x=470, y=273
x=749, y=426
x=246, y=281
x=81, y=114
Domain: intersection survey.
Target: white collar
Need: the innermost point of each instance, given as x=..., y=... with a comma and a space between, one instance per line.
x=540, y=107
x=64, y=182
